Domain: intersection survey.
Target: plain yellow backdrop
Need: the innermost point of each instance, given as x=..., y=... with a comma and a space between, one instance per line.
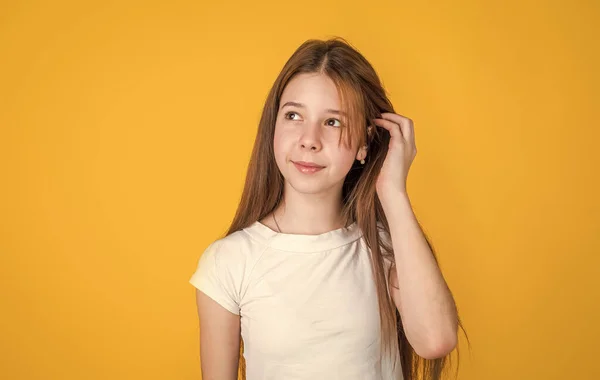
x=126, y=127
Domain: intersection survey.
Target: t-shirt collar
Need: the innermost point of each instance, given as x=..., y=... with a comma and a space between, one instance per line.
x=304, y=243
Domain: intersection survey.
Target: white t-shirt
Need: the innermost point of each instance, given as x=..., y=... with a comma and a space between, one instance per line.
x=307, y=303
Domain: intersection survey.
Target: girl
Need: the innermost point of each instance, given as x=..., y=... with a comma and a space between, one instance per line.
x=325, y=272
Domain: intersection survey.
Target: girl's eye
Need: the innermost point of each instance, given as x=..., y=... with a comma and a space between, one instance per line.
x=334, y=120
x=287, y=114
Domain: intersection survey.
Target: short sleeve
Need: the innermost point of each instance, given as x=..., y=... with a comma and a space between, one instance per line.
x=215, y=279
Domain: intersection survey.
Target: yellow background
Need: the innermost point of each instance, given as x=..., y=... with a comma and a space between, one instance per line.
x=125, y=130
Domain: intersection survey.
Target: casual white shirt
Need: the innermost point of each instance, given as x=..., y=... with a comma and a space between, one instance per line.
x=307, y=303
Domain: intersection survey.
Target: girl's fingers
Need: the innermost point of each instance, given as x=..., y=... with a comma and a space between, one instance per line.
x=406, y=125
x=393, y=128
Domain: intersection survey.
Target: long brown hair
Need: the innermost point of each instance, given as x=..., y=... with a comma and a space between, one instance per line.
x=363, y=98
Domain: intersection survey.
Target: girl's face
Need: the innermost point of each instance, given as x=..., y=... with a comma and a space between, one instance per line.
x=307, y=132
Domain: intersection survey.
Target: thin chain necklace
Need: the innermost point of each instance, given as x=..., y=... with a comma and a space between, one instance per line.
x=277, y=224
x=275, y=220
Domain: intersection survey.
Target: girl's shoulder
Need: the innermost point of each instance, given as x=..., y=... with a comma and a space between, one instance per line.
x=236, y=249
x=236, y=245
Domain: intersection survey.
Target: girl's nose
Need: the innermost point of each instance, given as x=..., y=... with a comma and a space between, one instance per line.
x=311, y=138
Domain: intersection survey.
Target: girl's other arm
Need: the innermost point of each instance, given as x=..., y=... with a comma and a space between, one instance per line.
x=219, y=339
x=417, y=286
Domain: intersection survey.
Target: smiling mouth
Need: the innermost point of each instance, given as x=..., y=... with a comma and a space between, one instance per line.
x=307, y=167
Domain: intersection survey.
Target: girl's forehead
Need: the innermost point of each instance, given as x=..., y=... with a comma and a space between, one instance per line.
x=312, y=90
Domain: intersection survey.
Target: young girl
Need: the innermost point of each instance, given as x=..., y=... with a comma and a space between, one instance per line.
x=325, y=272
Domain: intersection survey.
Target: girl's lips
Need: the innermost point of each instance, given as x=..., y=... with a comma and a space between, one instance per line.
x=307, y=169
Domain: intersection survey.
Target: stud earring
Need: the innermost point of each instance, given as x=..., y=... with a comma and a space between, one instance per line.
x=362, y=162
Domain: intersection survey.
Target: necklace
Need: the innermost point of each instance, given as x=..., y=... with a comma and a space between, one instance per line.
x=277, y=224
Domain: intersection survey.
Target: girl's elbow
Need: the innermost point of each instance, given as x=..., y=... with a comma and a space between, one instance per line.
x=438, y=348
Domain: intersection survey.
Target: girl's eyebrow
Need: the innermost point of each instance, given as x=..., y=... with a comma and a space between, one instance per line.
x=300, y=105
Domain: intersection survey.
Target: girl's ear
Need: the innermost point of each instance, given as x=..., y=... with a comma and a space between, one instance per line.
x=362, y=153
x=369, y=132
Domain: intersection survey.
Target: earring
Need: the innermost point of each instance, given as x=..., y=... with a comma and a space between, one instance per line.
x=362, y=162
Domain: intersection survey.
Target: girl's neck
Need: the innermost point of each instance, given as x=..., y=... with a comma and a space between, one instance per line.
x=307, y=214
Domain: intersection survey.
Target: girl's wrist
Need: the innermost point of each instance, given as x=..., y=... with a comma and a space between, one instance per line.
x=393, y=197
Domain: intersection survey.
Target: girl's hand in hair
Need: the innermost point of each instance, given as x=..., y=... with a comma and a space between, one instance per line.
x=401, y=153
